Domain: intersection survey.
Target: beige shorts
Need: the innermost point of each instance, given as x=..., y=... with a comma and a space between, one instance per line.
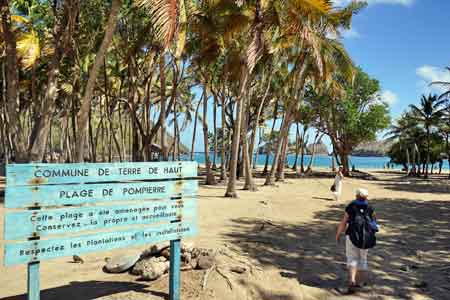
x=356, y=258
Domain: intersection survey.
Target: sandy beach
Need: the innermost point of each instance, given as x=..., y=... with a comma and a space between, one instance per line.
x=285, y=237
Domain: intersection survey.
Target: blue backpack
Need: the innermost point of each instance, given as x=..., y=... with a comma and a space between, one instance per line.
x=362, y=227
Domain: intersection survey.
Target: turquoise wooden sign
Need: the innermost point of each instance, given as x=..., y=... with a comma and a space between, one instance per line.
x=124, y=205
x=38, y=250
x=38, y=174
x=28, y=224
x=75, y=194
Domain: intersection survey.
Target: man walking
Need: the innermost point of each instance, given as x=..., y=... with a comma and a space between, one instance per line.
x=359, y=225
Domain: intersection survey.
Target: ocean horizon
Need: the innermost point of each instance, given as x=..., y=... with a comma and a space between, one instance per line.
x=321, y=161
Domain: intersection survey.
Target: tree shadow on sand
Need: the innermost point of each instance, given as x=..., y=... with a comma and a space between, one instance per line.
x=415, y=185
x=89, y=290
x=412, y=255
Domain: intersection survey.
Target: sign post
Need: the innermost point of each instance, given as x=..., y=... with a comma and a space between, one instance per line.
x=134, y=204
x=33, y=281
x=174, y=275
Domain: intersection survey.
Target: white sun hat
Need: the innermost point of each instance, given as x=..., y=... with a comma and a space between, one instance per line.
x=363, y=193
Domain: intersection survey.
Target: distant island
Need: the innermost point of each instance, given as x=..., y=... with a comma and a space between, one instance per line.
x=377, y=148
x=321, y=149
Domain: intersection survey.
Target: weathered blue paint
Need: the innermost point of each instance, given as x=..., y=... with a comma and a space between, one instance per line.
x=47, y=222
x=40, y=185
x=38, y=250
x=174, y=275
x=55, y=195
x=38, y=174
x=33, y=281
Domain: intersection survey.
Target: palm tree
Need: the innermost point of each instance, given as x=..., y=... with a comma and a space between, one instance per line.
x=445, y=85
x=428, y=114
x=98, y=62
x=403, y=132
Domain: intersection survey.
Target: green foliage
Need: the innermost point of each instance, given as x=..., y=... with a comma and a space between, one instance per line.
x=357, y=117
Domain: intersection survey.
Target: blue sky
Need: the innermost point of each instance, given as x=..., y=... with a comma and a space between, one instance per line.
x=403, y=43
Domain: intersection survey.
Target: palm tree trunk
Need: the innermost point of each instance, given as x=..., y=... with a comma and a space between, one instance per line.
x=261, y=133
x=297, y=147
x=413, y=164
x=282, y=162
x=448, y=153
x=214, y=166
x=249, y=182
x=419, y=160
x=162, y=77
x=428, y=152
x=408, y=162
x=99, y=59
x=311, y=161
x=258, y=115
x=195, y=129
x=210, y=179
x=269, y=148
x=305, y=139
x=91, y=138
x=231, y=186
x=282, y=136
x=223, y=167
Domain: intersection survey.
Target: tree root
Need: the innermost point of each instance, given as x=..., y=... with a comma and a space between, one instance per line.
x=224, y=276
x=205, y=277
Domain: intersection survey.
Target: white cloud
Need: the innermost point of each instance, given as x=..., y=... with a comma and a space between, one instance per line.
x=341, y=3
x=389, y=97
x=430, y=74
x=350, y=34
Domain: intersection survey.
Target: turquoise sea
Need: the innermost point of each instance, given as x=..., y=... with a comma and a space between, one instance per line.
x=359, y=162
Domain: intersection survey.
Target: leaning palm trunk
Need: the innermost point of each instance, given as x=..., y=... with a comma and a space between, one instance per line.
x=270, y=144
x=255, y=162
x=258, y=115
x=297, y=147
x=62, y=40
x=83, y=114
x=231, y=186
x=305, y=139
x=249, y=182
x=428, y=152
x=214, y=166
x=418, y=159
x=194, y=133
x=413, y=163
x=210, y=179
x=448, y=154
x=282, y=163
x=223, y=166
x=408, y=161
x=162, y=76
x=252, y=56
x=283, y=133
x=311, y=161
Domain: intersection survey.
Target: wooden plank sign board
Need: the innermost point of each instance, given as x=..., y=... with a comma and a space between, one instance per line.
x=81, y=208
x=74, y=194
x=38, y=174
x=31, y=223
x=37, y=250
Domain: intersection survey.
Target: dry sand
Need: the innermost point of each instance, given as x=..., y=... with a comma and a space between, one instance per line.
x=286, y=234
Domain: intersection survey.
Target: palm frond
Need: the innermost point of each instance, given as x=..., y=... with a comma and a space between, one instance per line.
x=165, y=17
x=28, y=48
x=67, y=88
